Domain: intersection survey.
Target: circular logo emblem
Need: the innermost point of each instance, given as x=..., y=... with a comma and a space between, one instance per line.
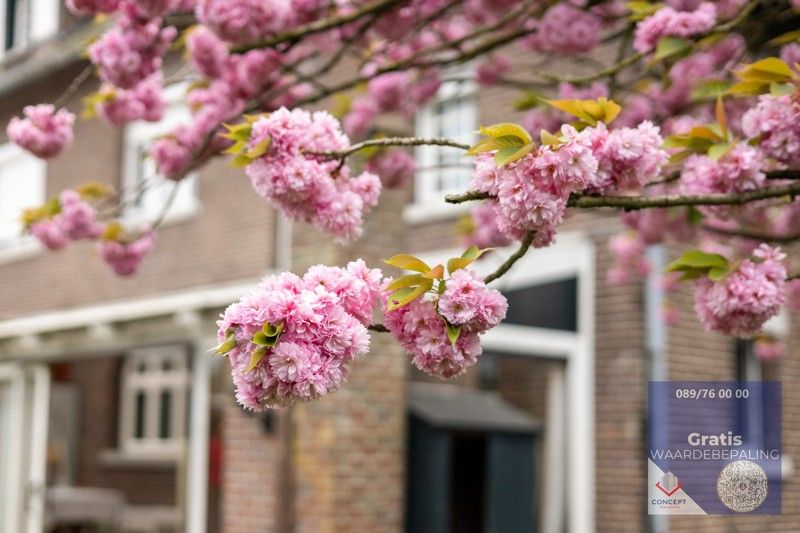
x=742, y=486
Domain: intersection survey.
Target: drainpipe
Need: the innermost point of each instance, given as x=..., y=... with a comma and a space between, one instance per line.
x=655, y=344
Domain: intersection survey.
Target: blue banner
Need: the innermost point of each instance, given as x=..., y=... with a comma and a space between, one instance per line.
x=714, y=447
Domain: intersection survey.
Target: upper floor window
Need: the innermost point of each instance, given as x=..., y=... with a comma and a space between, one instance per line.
x=146, y=192
x=22, y=185
x=452, y=114
x=154, y=390
x=24, y=22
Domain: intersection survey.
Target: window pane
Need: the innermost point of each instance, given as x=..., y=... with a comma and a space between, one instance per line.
x=21, y=185
x=165, y=414
x=139, y=415
x=550, y=305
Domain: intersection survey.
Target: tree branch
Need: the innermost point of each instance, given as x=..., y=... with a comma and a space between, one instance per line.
x=585, y=201
x=752, y=235
x=513, y=258
x=321, y=25
x=393, y=141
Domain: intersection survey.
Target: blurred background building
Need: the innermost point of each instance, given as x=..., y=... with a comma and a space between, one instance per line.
x=114, y=413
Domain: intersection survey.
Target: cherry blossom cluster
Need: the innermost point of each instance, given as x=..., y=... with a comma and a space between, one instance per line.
x=401, y=92
x=145, y=101
x=293, y=338
x=124, y=255
x=301, y=183
x=743, y=300
x=131, y=51
x=775, y=124
x=531, y=194
x=44, y=132
x=669, y=22
x=71, y=217
x=421, y=326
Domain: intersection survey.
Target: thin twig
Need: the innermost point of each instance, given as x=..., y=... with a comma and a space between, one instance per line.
x=378, y=327
x=393, y=141
x=752, y=235
x=513, y=258
x=585, y=201
x=73, y=87
x=321, y=25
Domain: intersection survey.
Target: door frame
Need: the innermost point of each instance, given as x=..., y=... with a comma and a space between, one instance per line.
x=25, y=483
x=572, y=256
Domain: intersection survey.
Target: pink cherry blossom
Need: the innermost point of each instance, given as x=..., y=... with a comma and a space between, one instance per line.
x=124, y=258
x=767, y=349
x=144, y=101
x=50, y=233
x=742, y=301
x=775, y=123
x=395, y=167
x=310, y=187
x=422, y=330
x=92, y=7
x=44, y=132
x=322, y=318
x=208, y=54
x=629, y=259
x=582, y=35
x=77, y=219
x=485, y=231
x=628, y=158
x=667, y=22
x=131, y=50
x=243, y=21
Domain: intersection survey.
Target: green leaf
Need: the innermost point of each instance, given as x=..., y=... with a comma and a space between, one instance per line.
x=509, y=155
x=718, y=151
x=709, y=90
x=693, y=215
x=528, y=100
x=748, y=88
x=506, y=129
x=642, y=10
x=473, y=252
x=410, y=280
x=240, y=161
x=717, y=273
x=255, y=358
x=785, y=38
x=549, y=139
x=406, y=295
x=271, y=330
x=407, y=262
x=696, y=263
x=589, y=111
x=722, y=117
x=458, y=263
x=436, y=272
x=781, y=89
x=227, y=345
x=453, y=332
x=770, y=69
x=671, y=47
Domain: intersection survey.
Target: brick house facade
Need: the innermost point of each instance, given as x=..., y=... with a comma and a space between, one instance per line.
x=340, y=464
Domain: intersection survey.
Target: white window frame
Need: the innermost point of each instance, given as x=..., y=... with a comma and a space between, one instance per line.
x=142, y=207
x=22, y=245
x=151, y=383
x=570, y=441
x=429, y=204
x=38, y=20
